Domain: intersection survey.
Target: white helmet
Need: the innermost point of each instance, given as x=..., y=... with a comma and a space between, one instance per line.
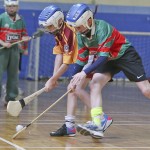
x=50, y=16
x=11, y=2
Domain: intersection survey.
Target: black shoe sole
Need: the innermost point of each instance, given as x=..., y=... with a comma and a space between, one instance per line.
x=83, y=131
x=56, y=135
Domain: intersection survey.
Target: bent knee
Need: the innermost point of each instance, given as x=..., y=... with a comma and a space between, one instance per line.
x=95, y=85
x=98, y=80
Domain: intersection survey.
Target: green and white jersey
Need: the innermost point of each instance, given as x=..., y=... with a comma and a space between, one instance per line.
x=12, y=30
x=105, y=41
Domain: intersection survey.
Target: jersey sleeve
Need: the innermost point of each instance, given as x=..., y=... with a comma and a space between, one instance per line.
x=2, y=34
x=0, y=27
x=24, y=45
x=105, y=39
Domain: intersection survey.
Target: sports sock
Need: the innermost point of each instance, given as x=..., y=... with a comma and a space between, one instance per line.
x=70, y=121
x=96, y=115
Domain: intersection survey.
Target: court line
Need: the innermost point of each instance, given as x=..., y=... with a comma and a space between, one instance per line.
x=116, y=123
x=78, y=112
x=53, y=112
x=61, y=111
x=114, y=147
x=12, y=144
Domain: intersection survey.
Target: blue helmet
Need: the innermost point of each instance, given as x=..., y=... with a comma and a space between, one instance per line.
x=50, y=16
x=79, y=15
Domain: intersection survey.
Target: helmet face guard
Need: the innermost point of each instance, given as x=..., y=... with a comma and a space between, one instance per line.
x=78, y=15
x=51, y=15
x=11, y=2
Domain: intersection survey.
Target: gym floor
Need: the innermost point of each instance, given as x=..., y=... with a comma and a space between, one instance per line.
x=122, y=101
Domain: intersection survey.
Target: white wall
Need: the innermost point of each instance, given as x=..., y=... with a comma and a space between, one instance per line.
x=108, y=2
x=124, y=2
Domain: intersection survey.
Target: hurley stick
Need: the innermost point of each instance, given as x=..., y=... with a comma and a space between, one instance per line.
x=25, y=127
x=14, y=107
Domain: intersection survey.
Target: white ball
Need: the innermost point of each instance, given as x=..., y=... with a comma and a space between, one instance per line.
x=19, y=127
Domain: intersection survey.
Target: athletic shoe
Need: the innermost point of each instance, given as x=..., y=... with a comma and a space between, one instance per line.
x=64, y=131
x=95, y=131
x=106, y=122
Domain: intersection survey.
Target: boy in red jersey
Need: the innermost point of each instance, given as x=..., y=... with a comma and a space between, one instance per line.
x=12, y=29
x=51, y=20
x=115, y=53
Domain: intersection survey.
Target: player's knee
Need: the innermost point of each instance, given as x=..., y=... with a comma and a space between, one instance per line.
x=95, y=82
x=94, y=85
x=78, y=91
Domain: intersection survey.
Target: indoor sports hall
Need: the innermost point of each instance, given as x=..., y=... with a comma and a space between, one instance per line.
x=122, y=100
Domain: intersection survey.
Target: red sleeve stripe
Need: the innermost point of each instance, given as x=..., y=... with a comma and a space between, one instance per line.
x=115, y=48
x=12, y=30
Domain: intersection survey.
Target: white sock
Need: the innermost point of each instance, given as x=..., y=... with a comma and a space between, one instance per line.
x=70, y=121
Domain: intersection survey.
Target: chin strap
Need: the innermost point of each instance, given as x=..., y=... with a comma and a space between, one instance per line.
x=87, y=33
x=57, y=31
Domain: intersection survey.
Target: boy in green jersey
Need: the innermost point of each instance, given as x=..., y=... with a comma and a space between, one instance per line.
x=12, y=29
x=114, y=54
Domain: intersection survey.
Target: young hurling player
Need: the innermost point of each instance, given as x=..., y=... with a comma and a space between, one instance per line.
x=115, y=53
x=12, y=29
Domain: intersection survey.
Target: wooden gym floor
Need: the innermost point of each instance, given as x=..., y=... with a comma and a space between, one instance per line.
x=129, y=109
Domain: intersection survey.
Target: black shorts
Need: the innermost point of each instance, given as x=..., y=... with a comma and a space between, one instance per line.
x=130, y=63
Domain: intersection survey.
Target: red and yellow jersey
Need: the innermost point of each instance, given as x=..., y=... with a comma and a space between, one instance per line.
x=66, y=44
x=12, y=31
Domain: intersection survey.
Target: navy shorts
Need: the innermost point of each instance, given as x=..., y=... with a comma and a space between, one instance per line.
x=130, y=63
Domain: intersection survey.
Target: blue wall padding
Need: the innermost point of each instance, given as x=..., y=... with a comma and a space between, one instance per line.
x=124, y=18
